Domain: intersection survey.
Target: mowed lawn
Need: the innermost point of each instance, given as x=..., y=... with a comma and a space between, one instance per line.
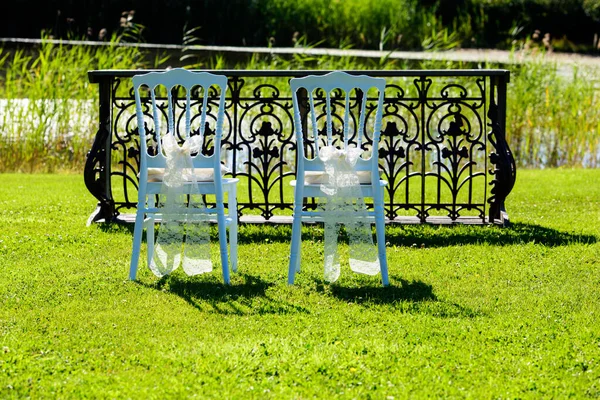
x=472, y=312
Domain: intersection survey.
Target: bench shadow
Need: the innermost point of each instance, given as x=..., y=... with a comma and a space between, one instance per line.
x=428, y=235
x=408, y=235
x=211, y=295
x=114, y=227
x=407, y=297
x=516, y=233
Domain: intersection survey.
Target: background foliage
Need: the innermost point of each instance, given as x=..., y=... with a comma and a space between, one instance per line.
x=553, y=116
x=572, y=25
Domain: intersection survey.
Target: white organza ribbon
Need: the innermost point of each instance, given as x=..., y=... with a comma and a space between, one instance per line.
x=181, y=231
x=345, y=205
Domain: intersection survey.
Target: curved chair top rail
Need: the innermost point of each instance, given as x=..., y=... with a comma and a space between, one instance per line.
x=179, y=77
x=337, y=80
x=96, y=76
x=169, y=79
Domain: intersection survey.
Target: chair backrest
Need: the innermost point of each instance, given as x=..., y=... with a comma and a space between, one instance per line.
x=331, y=97
x=167, y=112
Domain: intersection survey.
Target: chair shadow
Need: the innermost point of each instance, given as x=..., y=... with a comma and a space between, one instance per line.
x=407, y=297
x=516, y=233
x=414, y=291
x=247, y=298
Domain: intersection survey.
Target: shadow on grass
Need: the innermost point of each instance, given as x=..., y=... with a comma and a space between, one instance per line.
x=115, y=227
x=246, y=298
x=414, y=291
x=408, y=297
x=425, y=235
x=517, y=233
x=428, y=235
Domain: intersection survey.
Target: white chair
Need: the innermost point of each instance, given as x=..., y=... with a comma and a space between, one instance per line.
x=207, y=168
x=335, y=102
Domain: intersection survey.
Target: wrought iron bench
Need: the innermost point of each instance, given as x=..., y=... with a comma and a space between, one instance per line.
x=443, y=148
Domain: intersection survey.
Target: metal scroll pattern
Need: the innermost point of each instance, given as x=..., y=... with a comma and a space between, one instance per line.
x=263, y=147
x=433, y=146
x=433, y=149
x=504, y=168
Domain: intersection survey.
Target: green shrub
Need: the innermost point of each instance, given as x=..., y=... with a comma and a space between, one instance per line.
x=592, y=8
x=369, y=24
x=572, y=22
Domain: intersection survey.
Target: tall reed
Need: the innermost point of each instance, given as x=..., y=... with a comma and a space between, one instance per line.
x=48, y=115
x=554, y=116
x=48, y=110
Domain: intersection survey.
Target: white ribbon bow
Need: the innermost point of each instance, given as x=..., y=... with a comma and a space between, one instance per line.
x=181, y=231
x=345, y=204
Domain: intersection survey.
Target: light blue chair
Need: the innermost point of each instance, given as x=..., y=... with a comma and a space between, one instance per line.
x=207, y=168
x=310, y=171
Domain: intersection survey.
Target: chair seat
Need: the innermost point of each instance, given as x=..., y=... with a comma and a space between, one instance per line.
x=201, y=174
x=204, y=187
x=317, y=185
x=318, y=177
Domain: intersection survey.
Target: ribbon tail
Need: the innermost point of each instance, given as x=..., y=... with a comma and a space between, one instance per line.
x=167, y=251
x=332, y=257
x=345, y=203
x=184, y=236
x=364, y=258
x=196, y=253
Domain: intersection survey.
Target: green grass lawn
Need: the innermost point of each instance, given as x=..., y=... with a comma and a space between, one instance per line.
x=472, y=312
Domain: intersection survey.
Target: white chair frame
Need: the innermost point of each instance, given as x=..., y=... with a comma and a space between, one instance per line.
x=147, y=209
x=374, y=189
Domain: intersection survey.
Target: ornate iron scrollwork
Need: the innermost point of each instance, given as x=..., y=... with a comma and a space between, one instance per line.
x=433, y=149
x=95, y=177
x=505, y=170
x=96, y=174
x=264, y=147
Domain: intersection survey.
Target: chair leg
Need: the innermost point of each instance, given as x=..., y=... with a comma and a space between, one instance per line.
x=299, y=256
x=223, y=241
x=233, y=232
x=380, y=233
x=149, y=223
x=295, y=246
x=233, y=228
x=137, y=242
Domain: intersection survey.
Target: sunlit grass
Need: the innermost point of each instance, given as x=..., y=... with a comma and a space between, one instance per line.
x=476, y=312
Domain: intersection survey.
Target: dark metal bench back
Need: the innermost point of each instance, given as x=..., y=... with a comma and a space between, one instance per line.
x=442, y=150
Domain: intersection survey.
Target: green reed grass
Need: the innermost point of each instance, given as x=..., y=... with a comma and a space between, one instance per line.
x=554, y=116
x=49, y=115
x=383, y=24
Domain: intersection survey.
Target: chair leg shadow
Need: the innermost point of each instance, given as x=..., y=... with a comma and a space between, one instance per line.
x=406, y=297
x=210, y=295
